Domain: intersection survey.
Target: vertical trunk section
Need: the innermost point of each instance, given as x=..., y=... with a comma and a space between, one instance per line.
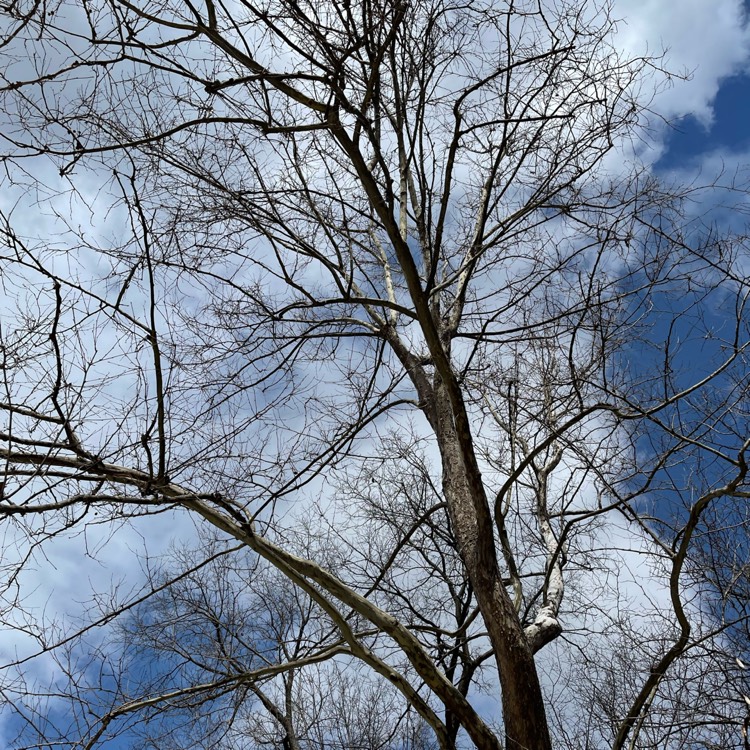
x=523, y=707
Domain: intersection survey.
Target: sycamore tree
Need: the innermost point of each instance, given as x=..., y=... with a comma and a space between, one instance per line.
x=377, y=293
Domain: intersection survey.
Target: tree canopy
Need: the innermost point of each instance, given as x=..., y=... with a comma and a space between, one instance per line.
x=379, y=294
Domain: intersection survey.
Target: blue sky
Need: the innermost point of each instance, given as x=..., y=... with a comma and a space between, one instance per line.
x=707, y=131
x=709, y=114
x=689, y=138
x=705, y=44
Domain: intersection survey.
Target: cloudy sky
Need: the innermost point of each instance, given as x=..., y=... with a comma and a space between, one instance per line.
x=709, y=40
x=707, y=113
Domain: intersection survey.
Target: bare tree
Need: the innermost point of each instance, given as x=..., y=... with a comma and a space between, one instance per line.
x=368, y=290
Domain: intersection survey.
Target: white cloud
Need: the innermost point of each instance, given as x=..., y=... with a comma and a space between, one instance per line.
x=708, y=40
x=712, y=40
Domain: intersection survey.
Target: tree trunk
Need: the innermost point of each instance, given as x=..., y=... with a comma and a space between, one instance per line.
x=523, y=705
